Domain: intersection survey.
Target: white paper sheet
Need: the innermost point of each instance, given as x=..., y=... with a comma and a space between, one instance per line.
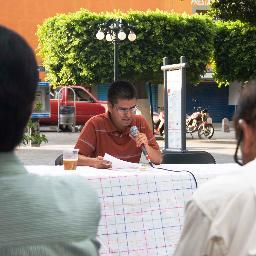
x=120, y=164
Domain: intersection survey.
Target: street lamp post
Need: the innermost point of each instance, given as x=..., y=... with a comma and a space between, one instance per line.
x=115, y=31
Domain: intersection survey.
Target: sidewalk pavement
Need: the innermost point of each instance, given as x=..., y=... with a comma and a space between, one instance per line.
x=221, y=146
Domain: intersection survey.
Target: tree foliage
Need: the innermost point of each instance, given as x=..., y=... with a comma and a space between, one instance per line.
x=243, y=10
x=72, y=54
x=234, y=52
x=235, y=40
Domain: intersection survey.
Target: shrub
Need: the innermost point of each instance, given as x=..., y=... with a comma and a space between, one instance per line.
x=72, y=54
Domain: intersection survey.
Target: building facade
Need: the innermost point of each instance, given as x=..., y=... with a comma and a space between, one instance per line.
x=24, y=16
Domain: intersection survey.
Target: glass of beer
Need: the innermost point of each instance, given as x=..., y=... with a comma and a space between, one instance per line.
x=70, y=158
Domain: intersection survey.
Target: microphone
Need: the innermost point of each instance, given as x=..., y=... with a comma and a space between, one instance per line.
x=134, y=133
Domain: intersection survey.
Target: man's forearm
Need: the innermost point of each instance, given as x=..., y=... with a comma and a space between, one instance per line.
x=155, y=155
x=96, y=162
x=85, y=161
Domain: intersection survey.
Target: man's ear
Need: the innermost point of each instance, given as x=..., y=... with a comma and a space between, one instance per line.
x=248, y=134
x=110, y=107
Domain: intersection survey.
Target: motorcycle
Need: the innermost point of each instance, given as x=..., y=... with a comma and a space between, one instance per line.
x=200, y=122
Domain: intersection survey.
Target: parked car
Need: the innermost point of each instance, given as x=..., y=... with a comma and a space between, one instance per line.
x=86, y=105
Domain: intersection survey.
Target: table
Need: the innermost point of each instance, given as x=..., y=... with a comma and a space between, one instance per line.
x=142, y=210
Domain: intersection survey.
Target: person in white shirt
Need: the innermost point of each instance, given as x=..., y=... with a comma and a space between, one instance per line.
x=220, y=217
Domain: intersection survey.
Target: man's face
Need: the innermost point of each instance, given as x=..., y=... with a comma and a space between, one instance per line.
x=122, y=111
x=246, y=142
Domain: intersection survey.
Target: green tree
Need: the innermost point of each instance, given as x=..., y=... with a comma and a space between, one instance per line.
x=243, y=10
x=235, y=40
x=72, y=54
x=234, y=52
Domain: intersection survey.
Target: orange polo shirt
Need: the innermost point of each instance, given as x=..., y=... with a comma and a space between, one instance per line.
x=100, y=136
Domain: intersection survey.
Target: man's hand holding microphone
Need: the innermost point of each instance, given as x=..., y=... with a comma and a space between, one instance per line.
x=141, y=140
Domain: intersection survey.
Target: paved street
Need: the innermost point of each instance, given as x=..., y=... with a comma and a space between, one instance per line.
x=221, y=146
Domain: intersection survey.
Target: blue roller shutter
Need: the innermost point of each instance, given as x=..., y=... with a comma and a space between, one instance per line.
x=209, y=96
x=154, y=89
x=102, y=91
x=155, y=97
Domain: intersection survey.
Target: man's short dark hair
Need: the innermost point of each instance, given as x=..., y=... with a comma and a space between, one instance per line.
x=246, y=108
x=121, y=90
x=18, y=81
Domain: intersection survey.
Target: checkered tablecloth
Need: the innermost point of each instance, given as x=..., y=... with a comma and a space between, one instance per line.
x=142, y=211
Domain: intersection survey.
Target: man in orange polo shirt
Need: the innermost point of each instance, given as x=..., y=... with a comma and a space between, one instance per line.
x=110, y=132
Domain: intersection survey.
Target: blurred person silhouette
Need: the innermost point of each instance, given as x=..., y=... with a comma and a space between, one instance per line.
x=111, y=132
x=220, y=217
x=44, y=216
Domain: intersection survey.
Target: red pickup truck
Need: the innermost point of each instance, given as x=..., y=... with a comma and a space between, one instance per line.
x=86, y=105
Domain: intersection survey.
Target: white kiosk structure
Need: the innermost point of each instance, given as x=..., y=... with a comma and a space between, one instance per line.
x=175, y=117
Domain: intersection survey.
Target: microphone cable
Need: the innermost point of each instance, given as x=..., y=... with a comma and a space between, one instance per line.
x=160, y=168
x=134, y=132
